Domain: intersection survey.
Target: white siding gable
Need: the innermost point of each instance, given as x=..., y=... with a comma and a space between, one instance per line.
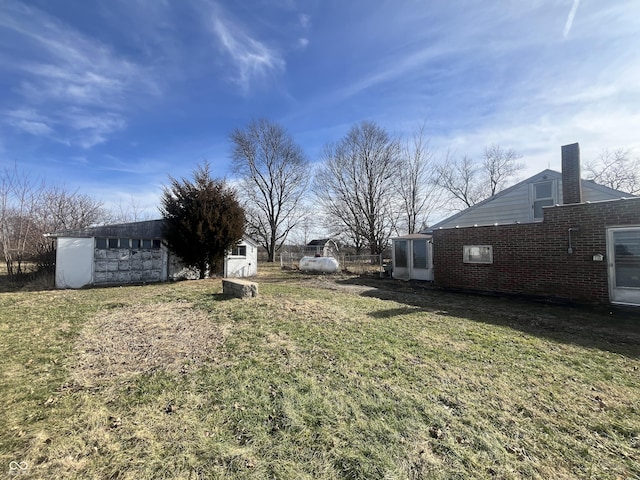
x=515, y=204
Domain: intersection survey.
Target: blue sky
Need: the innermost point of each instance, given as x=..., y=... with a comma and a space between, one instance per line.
x=112, y=96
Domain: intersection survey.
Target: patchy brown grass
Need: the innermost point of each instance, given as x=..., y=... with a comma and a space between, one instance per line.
x=141, y=339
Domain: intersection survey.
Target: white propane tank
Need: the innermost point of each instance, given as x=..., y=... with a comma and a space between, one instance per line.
x=319, y=264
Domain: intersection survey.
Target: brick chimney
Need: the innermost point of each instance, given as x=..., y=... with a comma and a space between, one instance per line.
x=571, y=184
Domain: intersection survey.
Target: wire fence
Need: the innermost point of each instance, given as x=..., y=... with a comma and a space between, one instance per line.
x=355, y=264
x=361, y=264
x=290, y=260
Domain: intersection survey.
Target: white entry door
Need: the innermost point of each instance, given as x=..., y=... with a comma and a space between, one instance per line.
x=623, y=252
x=74, y=262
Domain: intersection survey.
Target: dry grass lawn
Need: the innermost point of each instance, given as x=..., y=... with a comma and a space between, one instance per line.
x=319, y=377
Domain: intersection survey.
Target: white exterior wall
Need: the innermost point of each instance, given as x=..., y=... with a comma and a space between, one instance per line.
x=74, y=262
x=411, y=272
x=242, y=266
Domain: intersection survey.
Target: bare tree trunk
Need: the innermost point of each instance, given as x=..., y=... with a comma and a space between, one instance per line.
x=274, y=175
x=355, y=188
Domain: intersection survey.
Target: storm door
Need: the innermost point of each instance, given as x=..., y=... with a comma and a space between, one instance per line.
x=623, y=252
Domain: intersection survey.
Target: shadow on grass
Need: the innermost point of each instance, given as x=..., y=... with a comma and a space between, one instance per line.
x=609, y=328
x=220, y=297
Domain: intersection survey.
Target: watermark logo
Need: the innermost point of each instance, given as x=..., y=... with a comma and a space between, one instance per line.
x=18, y=467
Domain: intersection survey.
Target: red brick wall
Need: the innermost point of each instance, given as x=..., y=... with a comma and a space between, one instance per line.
x=532, y=258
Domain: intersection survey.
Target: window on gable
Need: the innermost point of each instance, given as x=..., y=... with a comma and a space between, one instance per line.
x=146, y=243
x=477, y=254
x=112, y=242
x=542, y=197
x=239, y=251
x=135, y=243
x=101, y=243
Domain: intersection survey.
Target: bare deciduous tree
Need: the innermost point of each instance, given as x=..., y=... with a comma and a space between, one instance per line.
x=500, y=166
x=20, y=198
x=615, y=170
x=468, y=183
x=417, y=184
x=131, y=211
x=64, y=209
x=459, y=178
x=29, y=208
x=273, y=173
x=354, y=185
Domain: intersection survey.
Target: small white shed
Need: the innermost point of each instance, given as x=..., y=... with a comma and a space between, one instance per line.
x=323, y=247
x=242, y=260
x=413, y=257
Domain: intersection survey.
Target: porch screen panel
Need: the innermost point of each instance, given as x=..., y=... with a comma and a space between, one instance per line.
x=627, y=258
x=420, y=259
x=401, y=253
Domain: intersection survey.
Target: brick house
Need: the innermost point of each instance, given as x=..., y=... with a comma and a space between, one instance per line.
x=580, y=250
x=552, y=235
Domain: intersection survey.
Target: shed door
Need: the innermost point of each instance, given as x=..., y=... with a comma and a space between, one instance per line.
x=74, y=262
x=623, y=252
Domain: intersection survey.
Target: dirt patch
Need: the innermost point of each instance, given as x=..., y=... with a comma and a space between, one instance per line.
x=144, y=338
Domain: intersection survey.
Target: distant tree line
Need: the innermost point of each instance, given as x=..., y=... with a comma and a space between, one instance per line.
x=30, y=207
x=365, y=188
x=370, y=185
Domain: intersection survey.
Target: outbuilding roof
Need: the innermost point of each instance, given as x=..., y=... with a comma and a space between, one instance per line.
x=145, y=229
x=151, y=229
x=321, y=241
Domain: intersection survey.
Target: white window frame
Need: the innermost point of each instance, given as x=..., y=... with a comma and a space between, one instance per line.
x=553, y=198
x=236, y=249
x=482, y=254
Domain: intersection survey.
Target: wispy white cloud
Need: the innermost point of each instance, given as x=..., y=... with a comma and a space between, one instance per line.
x=303, y=43
x=572, y=15
x=69, y=126
x=90, y=130
x=253, y=59
x=29, y=121
x=70, y=76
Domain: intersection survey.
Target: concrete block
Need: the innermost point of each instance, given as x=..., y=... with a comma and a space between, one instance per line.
x=239, y=288
x=136, y=276
x=112, y=266
x=124, y=265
